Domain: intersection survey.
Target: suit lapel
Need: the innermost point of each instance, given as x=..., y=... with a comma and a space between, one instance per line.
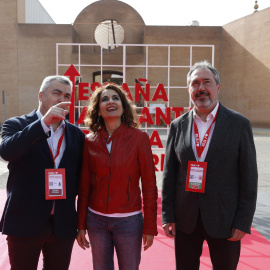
x=46, y=151
x=221, y=127
x=31, y=117
x=187, y=131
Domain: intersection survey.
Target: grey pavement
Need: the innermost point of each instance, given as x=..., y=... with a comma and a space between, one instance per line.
x=261, y=221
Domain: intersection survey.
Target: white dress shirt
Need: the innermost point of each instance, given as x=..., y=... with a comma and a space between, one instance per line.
x=54, y=139
x=202, y=128
x=53, y=142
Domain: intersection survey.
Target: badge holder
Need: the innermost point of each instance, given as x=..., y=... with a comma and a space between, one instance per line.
x=55, y=184
x=196, y=176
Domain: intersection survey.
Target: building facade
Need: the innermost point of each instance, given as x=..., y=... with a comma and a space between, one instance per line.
x=109, y=41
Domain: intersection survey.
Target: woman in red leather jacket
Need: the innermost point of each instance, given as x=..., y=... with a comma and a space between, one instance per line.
x=116, y=156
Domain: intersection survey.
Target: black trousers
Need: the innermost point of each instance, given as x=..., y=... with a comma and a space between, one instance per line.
x=24, y=252
x=224, y=254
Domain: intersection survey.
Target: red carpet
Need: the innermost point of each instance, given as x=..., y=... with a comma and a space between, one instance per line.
x=255, y=252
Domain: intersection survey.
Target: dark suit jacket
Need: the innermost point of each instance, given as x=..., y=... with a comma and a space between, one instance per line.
x=231, y=180
x=24, y=145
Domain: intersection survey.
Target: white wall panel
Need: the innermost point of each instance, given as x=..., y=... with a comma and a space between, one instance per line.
x=36, y=13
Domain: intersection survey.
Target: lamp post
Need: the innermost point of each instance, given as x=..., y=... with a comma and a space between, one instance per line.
x=256, y=6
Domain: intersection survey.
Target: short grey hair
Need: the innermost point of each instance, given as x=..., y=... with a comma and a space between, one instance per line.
x=204, y=65
x=48, y=80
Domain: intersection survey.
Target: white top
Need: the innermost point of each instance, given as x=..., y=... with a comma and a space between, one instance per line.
x=109, y=145
x=202, y=128
x=116, y=214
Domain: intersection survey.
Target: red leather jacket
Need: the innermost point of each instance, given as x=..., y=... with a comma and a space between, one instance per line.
x=110, y=182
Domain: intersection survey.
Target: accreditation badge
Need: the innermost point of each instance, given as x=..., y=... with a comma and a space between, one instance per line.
x=55, y=184
x=196, y=176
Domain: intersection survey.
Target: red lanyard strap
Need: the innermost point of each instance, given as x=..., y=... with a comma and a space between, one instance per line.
x=201, y=147
x=58, y=147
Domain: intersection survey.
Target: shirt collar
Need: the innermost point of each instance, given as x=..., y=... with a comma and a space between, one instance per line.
x=211, y=115
x=39, y=114
x=119, y=130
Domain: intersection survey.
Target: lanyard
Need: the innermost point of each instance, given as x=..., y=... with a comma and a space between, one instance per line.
x=58, y=147
x=201, y=147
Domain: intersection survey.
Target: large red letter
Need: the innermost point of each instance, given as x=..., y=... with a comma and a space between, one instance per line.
x=82, y=116
x=155, y=139
x=160, y=114
x=146, y=116
x=177, y=111
x=162, y=157
x=85, y=131
x=125, y=88
x=138, y=90
x=83, y=90
x=95, y=85
x=156, y=161
x=160, y=93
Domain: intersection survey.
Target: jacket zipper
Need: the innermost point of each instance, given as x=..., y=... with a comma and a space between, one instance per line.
x=129, y=179
x=109, y=183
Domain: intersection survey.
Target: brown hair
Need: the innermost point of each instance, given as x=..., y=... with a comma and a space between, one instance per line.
x=96, y=122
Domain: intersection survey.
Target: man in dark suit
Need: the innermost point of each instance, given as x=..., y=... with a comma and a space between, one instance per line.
x=210, y=177
x=44, y=153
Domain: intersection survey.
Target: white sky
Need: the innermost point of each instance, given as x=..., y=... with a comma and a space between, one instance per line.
x=165, y=12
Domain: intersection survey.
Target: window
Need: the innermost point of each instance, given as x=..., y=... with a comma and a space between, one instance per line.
x=109, y=33
x=108, y=76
